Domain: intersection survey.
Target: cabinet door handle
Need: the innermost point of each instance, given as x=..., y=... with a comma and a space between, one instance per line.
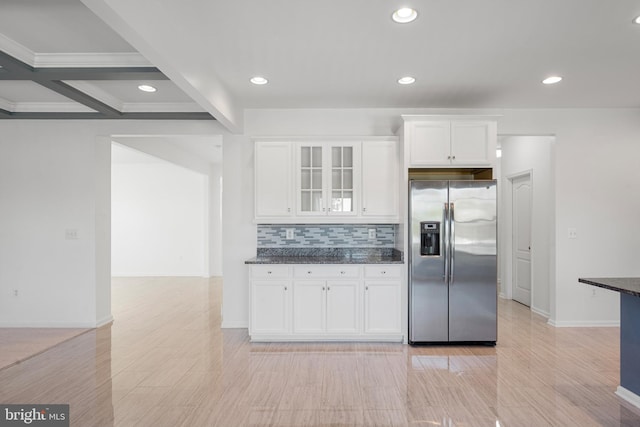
x=323, y=288
x=364, y=209
x=288, y=209
x=328, y=288
x=268, y=272
x=448, y=157
x=308, y=272
x=454, y=157
x=285, y=288
x=343, y=272
x=383, y=272
x=366, y=288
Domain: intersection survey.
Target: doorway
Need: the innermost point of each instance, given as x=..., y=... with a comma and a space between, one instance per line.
x=528, y=221
x=521, y=235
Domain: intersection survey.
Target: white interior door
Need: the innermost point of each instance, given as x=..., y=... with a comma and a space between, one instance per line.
x=521, y=188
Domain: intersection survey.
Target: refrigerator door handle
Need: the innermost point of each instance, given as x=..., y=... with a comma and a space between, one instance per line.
x=445, y=239
x=452, y=244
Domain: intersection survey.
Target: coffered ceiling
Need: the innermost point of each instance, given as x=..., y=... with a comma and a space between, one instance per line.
x=327, y=54
x=60, y=61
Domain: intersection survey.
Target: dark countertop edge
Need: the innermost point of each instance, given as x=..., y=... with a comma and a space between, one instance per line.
x=625, y=285
x=321, y=260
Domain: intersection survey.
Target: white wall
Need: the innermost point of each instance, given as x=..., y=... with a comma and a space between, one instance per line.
x=215, y=220
x=159, y=224
x=239, y=231
x=54, y=177
x=198, y=153
x=532, y=154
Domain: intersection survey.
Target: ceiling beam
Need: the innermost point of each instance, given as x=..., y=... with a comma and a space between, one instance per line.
x=53, y=79
x=115, y=73
x=74, y=94
x=99, y=116
x=14, y=69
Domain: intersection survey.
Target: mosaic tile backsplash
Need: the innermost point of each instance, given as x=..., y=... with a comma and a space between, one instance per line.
x=327, y=236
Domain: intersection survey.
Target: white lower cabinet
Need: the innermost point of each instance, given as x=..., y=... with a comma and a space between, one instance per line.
x=270, y=307
x=382, y=299
x=343, y=307
x=322, y=302
x=325, y=307
x=382, y=307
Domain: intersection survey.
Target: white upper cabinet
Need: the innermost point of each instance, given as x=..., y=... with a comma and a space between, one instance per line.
x=327, y=178
x=454, y=142
x=429, y=142
x=473, y=142
x=273, y=183
x=380, y=179
x=327, y=181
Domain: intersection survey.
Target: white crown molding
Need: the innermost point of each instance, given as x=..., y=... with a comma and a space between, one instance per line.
x=71, y=60
x=7, y=105
x=51, y=107
x=87, y=60
x=17, y=50
x=161, y=107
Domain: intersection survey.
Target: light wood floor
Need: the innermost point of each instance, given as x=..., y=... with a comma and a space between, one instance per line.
x=19, y=344
x=166, y=362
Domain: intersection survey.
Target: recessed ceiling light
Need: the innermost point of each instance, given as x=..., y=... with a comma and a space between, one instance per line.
x=147, y=88
x=257, y=80
x=552, y=80
x=406, y=80
x=637, y=20
x=404, y=15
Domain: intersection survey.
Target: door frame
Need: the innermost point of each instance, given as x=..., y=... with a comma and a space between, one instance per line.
x=507, y=289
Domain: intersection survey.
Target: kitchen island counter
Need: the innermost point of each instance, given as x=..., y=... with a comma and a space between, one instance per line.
x=626, y=285
x=629, y=288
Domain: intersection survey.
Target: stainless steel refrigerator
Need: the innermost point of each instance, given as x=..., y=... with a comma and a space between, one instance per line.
x=453, y=262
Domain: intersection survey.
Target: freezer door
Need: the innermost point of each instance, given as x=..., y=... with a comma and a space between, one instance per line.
x=428, y=294
x=473, y=270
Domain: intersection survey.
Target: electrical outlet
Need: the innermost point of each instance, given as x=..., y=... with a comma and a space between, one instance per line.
x=15, y=292
x=372, y=233
x=573, y=233
x=289, y=233
x=71, y=234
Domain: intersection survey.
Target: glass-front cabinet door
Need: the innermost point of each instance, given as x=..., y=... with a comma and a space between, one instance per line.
x=328, y=178
x=342, y=179
x=311, y=180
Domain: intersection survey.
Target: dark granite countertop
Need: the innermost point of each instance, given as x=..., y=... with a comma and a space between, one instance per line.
x=327, y=256
x=626, y=285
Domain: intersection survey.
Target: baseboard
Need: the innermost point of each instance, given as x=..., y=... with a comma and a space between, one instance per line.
x=325, y=338
x=502, y=296
x=104, y=321
x=540, y=312
x=69, y=325
x=584, y=323
x=234, y=324
x=628, y=396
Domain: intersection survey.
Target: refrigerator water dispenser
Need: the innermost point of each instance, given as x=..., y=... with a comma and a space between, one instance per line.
x=430, y=238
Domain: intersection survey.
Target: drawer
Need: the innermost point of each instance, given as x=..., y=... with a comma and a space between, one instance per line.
x=270, y=270
x=380, y=271
x=330, y=271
